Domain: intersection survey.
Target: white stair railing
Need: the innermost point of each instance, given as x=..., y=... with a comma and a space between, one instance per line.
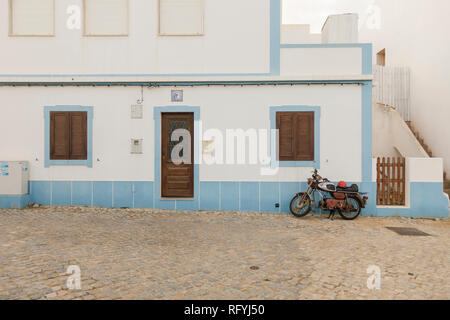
x=392, y=88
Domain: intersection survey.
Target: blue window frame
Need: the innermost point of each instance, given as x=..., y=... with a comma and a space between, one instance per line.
x=47, y=161
x=167, y=203
x=275, y=163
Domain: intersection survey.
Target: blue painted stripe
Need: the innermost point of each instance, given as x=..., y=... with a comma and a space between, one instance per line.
x=123, y=194
x=366, y=134
x=427, y=199
x=187, y=83
x=324, y=45
x=81, y=193
x=40, y=192
x=209, y=195
x=102, y=194
x=287, y=191
x=165, y=204
x=275, y=36
x=269, y=196
x=61, y=193
x=229, y=195
x=249, y=196
x=143, y=194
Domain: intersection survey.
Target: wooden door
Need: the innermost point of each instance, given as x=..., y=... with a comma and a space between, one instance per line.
x=177, y=180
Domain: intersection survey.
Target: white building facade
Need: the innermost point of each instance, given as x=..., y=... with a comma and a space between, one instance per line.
x=135, y=74
x=412, y=34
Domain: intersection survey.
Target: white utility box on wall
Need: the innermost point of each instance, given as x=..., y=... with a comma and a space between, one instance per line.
x=13, y=178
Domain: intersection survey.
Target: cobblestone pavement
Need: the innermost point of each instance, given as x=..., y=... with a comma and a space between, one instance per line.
x=150, y=254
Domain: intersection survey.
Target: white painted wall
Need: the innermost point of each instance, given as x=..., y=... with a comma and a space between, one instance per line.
x=236, y=40
x=425, y=169
x=22, y=125
x=415, y=35
x=106, y=17
x=340, y=28
x=321, y=61
x=299, y=33
x=392, y=136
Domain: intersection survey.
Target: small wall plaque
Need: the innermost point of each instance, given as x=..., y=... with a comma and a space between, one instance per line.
x=137, y=111
x=177, y=95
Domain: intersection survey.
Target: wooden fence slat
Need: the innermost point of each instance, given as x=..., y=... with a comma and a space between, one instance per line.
x=378, y=179
x=391, y=183
x=394, y=179
x=385, y=196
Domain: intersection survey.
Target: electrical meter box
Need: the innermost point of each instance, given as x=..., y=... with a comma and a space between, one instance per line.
x=13, y=178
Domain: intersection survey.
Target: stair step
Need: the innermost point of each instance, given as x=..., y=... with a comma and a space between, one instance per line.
x=446, y=184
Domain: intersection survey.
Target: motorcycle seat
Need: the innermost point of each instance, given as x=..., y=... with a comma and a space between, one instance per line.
x=352, y=188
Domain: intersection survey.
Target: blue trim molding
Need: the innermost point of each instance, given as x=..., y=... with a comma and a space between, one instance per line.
x=275, y=37
x=366, y=134
x=185, y=83
x=273, y=143
x=47, y=161
x=178, y=204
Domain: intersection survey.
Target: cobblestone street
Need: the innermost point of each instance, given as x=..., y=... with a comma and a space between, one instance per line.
x=150, y=254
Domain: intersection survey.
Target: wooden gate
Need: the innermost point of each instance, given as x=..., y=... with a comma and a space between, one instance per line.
x=391, y=181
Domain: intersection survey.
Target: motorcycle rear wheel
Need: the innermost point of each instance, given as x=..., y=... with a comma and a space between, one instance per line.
x=300, y=205
x=354, y=214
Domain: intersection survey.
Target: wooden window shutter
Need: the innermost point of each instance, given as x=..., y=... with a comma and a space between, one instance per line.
x=59, y=136
x=304, y=136
x=296, y=136
x=78, y=135
x=285, y=125
x=68, y=135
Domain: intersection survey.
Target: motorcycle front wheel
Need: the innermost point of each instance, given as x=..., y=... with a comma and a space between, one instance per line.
x=300, y=205
x=354, y=213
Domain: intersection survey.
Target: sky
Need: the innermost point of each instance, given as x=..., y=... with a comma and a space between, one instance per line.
x=315, y=12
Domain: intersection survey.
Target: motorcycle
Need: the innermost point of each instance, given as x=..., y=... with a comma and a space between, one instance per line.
x=347, y=201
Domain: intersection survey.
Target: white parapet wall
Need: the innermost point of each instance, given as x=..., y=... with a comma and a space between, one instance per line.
x=425, y=169
x=320, y=60
x=341, y=28
x=299, y=33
